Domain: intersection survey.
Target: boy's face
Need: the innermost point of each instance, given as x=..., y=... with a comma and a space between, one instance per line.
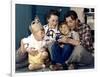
x=39, y=35
x=64, y=29
x=71, y=23
x=53, y=20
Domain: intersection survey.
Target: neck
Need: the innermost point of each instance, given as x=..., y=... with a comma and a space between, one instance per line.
x=36, y=38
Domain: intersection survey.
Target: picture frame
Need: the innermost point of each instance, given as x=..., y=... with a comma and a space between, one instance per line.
x=17, y=3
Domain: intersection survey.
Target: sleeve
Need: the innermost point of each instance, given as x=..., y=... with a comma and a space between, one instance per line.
x=26, y=41
x=87, y=43
x=76, y=36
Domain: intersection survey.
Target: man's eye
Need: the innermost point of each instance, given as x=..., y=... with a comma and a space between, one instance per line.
x=70, y=21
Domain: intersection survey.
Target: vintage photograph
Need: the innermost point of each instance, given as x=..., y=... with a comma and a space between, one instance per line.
x=53, y=38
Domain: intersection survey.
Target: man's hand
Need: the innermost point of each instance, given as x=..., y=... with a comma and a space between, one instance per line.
x=74, y=42
x=63, y=40
x=69, y=40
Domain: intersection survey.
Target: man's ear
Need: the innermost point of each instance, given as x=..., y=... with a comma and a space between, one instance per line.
x=77, y=20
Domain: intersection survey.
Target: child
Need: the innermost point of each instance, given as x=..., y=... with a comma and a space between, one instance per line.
x=35, y=45
x=66, y=32
x=61, y=51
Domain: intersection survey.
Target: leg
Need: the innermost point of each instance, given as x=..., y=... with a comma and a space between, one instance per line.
x=35, y=66
x=81, y=55
x=44, y=55
x=21, y=59
x=56, y=53
x=67, y=51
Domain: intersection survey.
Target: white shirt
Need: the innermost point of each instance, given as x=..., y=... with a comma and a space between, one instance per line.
x=75, y=35
x=52, y=32
x=30, y=41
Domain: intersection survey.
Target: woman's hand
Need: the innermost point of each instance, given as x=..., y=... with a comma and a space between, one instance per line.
x=32, y=51
x=42, y=49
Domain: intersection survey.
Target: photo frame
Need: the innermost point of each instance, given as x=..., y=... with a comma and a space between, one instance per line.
x=23, y=13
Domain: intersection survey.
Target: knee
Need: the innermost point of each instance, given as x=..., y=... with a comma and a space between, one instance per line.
x=31, y=67
x=44, y=55
x=55, y=44
x=79, y=48
x=68, y=47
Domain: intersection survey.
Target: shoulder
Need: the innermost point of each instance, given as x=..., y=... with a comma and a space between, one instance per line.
x=83, y=25
x=45, y=26
x=27, y=39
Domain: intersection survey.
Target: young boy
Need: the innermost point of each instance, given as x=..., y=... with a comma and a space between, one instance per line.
x=61, y=51
x=35, y=45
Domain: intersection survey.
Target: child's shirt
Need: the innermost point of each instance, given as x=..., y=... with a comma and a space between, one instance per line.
x=33, y=43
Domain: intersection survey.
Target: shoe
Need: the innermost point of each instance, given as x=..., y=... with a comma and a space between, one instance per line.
x=56, y=66
x=72, y=66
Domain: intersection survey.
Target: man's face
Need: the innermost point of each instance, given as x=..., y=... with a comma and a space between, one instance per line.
x=71, y=23
x=53, y=20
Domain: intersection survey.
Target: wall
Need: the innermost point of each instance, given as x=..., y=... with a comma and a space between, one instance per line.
x=26, y=13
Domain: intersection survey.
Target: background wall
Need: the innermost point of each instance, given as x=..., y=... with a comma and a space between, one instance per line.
x=26, y=13
x=80, y=13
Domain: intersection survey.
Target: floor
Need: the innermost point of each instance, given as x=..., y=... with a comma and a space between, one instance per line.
x=25, y=69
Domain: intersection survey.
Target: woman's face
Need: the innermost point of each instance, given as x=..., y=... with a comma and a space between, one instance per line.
x=71, y=23
x=53, y=20
x=64, y=29
x=39, y=35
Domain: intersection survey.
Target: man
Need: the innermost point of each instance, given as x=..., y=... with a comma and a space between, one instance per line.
x=83, y=50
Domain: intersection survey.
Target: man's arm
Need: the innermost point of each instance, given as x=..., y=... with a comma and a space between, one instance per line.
x=69, y=40
x=73, y=42
x=87, y=40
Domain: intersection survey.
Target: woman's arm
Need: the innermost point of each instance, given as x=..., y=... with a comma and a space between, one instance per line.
x=22, y=47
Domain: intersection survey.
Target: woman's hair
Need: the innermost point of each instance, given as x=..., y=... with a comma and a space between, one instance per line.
x=52, y=12
x=71, y=14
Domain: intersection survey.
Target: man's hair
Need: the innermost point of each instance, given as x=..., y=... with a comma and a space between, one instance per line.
x=71, y=14
x=52, y=12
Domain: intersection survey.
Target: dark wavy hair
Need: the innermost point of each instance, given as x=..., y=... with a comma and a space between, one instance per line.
x=52, y=12
x=71, y=14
